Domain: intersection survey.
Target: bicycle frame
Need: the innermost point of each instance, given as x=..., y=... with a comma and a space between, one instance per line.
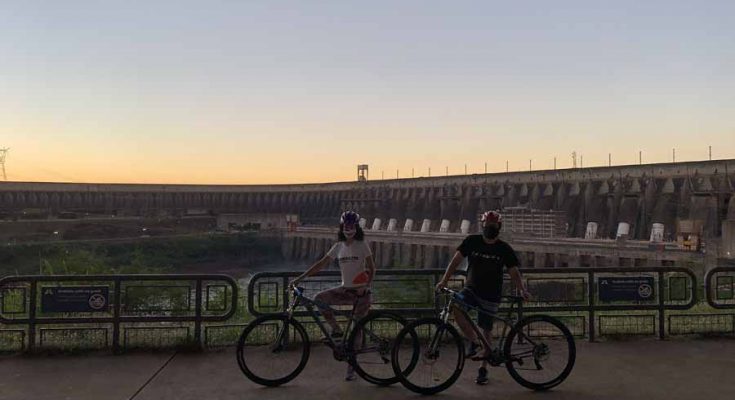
x=299, y=300
x=508, y=322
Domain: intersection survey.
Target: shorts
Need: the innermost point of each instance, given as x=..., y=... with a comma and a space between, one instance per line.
x=489, y=308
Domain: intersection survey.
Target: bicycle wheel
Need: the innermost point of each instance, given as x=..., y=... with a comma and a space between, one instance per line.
x=428, y=356
x=540, y=352
x=272, y=350
x=370, y=344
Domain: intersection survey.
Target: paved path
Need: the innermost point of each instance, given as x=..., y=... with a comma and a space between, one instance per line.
x=650, y=370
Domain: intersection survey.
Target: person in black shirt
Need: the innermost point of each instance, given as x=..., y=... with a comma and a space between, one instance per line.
x=488, y=258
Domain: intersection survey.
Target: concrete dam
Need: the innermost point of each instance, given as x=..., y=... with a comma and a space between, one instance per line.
x=656, y=202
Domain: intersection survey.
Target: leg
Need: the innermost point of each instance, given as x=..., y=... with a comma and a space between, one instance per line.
x=464, y=323
x=361, y=309
x=488, y=333
x=468, y=329
x=334, y=296
x=482, y=378
x=485, y=321
x=476, y=346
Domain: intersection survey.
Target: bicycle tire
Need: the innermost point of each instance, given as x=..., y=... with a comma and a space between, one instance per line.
x=517, y=331
x=360, y=325
x=439, y=327
x=242, y=359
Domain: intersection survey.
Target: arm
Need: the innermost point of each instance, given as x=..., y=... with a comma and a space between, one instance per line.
x=318, y=266
x=451, y=269
x=515, y=276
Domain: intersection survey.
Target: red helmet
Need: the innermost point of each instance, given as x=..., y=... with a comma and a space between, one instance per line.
x=492, y=216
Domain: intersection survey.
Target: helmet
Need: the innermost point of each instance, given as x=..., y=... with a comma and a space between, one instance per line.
x=492, y=216
x=349, y=218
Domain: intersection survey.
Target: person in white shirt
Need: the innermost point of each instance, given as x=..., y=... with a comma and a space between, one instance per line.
x=358, y=269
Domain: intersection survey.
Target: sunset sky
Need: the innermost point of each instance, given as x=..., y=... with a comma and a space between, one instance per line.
x=244, y=92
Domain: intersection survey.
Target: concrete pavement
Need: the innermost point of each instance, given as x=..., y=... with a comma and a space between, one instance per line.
x=643, y=369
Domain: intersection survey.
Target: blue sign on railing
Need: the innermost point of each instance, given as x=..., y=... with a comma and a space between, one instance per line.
x=75, y=299
x=625, y=288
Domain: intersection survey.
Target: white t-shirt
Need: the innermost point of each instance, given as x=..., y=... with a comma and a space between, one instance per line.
x=352, y=262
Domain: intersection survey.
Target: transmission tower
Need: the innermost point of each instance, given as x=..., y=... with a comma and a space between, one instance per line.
x=3, y=153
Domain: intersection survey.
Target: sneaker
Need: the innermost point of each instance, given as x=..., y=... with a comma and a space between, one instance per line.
x=350, y=376
x=482, y=376
x=496, y=358
x=475, y=352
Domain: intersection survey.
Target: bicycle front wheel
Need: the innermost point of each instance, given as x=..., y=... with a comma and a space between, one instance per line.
x=272, y=350
x=428, y=356
x=540, y=352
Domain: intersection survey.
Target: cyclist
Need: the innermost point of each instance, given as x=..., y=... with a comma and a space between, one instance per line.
x=488, y=257
x=358, y=269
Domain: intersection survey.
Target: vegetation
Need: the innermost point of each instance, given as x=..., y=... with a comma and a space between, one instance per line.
x=146, y=256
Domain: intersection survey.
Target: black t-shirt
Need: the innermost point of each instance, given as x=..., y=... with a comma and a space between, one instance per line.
x=486, y=264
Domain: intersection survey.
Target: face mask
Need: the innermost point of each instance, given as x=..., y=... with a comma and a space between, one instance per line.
x=491, y=231
x=349, y=232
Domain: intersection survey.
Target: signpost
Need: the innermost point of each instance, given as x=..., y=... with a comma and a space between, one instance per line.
x=75, y=299
x=612, y=288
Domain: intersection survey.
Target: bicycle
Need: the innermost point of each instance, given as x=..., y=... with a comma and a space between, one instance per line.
x=280, y=342
x=529, y=349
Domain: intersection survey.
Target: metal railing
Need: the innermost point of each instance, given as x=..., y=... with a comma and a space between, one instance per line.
x=557, y=291
x=720, y=285
x=92, y=303
x=122, y=311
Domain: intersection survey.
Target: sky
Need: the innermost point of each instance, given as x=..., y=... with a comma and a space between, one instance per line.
x=252, y=92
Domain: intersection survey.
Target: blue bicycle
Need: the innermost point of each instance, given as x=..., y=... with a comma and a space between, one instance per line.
x=273, y=349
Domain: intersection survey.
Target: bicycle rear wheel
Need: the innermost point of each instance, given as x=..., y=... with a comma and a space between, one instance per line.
x=273, y=350
x=370, y=344
x=540, y=351
x=428, y=356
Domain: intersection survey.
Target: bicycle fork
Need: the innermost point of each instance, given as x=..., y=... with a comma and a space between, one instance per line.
x=281, y=341
x=433, y=351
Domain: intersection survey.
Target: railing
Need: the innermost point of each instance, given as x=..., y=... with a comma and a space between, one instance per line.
x=60, y=308
x=720, y=284
x=128, y=311
x=589, y=294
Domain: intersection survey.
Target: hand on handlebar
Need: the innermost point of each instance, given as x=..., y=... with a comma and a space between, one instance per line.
x=440, y=286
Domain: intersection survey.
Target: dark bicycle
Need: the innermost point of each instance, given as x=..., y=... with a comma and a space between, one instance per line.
x=538, y=351
x=273, y=349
